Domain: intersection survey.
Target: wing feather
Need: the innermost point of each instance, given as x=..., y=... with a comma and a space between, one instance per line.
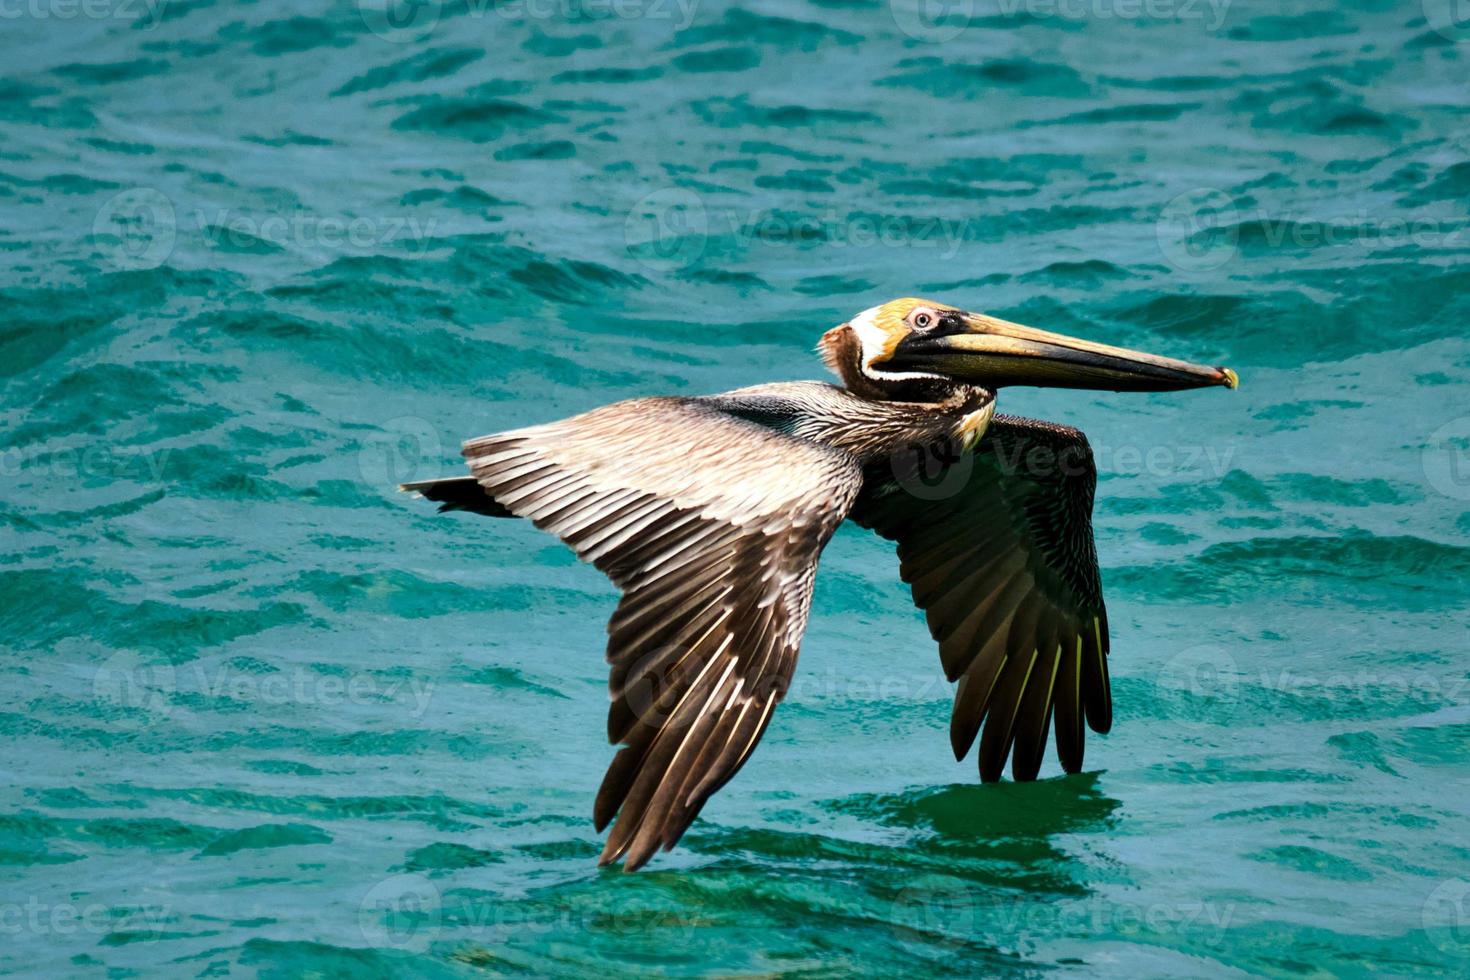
x=1005, y=570
x=711, y=525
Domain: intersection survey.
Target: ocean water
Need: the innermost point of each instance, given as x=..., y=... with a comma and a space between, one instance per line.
x=263, y=715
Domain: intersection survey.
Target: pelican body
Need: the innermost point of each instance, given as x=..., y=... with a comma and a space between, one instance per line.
x=710, y=513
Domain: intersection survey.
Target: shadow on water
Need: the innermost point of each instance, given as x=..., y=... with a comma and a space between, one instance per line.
x=932, y=878
x=1006, y=832
x=966, y=815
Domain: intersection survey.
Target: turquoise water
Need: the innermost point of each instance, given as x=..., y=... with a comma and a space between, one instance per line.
x=262, y=261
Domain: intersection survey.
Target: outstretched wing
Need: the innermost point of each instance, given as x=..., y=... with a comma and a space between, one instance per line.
x=997, y=546
x=711, y=526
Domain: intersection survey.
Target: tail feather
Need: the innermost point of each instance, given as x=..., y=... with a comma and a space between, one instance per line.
x=458, y=493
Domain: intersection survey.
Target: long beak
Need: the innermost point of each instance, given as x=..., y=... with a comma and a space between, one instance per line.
x=996, y=353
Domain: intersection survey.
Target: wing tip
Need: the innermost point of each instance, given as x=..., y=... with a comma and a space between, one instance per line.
x=960, y=750
x=610, y=853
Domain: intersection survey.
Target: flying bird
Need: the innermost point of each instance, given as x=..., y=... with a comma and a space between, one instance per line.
x=710, y=513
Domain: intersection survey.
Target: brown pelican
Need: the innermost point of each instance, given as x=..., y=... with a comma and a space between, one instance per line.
x=709, y=514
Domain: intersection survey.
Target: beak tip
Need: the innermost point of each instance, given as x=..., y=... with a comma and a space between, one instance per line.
x=1232, y=380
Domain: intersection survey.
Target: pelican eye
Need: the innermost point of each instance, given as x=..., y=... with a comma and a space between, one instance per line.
x=924, y=321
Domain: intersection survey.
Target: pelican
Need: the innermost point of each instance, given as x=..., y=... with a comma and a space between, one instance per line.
x=709, y=514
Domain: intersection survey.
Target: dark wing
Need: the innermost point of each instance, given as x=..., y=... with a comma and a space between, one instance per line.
x=458, y=493
x=711, y=526
x=997, y=546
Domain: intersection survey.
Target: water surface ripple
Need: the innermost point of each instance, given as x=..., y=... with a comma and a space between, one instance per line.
x=264, y=716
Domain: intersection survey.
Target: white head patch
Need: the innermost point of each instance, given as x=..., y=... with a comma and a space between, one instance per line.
x=875, y=343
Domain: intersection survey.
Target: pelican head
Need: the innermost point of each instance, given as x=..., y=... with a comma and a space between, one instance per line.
x=910, y=344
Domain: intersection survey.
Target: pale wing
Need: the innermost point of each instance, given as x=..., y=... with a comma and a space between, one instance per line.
x=997, y=546
x=711, y=526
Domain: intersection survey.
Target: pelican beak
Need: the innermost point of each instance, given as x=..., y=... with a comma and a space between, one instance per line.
x=994, y=353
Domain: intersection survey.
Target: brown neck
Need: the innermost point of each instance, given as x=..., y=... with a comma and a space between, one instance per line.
x=843, y=353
